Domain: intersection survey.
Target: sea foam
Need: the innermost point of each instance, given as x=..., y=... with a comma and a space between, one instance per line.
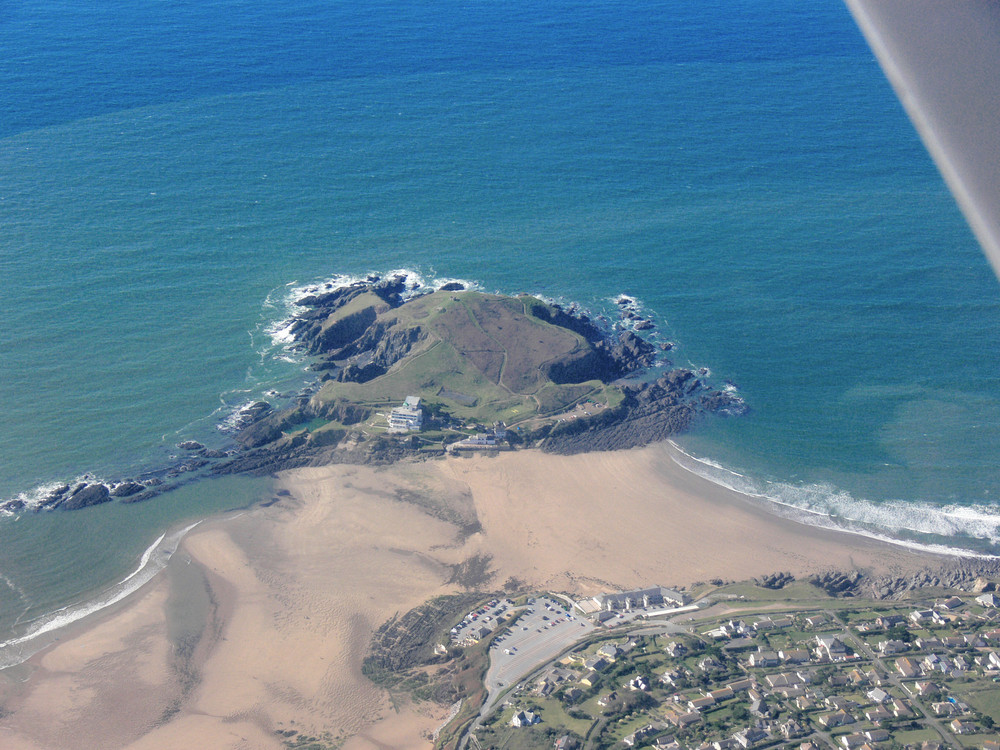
x=152, y=561
x=899, y=522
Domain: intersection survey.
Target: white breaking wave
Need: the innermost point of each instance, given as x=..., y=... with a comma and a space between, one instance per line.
x=285, y=302
x=824, y=505
x=34, y=497
x=152, y=561
x=237, y=416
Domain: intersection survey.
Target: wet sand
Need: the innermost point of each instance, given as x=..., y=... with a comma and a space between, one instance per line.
x=261, y=621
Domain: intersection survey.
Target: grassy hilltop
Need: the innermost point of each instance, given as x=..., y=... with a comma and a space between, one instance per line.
x=480, y=357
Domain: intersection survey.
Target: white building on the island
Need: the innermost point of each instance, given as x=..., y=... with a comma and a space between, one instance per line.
x=407, y=418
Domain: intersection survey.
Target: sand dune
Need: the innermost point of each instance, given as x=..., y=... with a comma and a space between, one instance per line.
x=260, y=624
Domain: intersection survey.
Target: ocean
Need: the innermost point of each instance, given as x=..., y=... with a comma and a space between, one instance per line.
x=171, y=171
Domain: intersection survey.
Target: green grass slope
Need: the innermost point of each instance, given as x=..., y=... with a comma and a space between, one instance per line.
x=480, y=357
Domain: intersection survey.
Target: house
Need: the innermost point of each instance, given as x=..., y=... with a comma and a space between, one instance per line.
x=786, y=679
x=685, y=719
x=697, y=704
x=877, y=735
x=815, y=620
x=950, y=604
x=928, y=644
x=638, y=683
x=708, y=664
x=899, y=708
x=722, y=694
x=763, y=659
x=794, y=655
x=920, y=616
x=892, y=646
x=675, y=649
x=962, y=727
x=524, y=719
x=835, y=719
x=907, y=667
x=408, y=417
x=749, y=737
x=604, y=700
x=479, y=441
x=638, y=735
x=791, y=728
x=840, y=702
x=656, y=596
x=890, y=621
x=878, y=695
x=944, y=708
x=481, y=631
x=857, y=677
x=988, y=600
x=878, y=714
x=830, y=647
x=852, y=741
x=610, y=651
x=672, y=676
x=759, y=708
x=596, y=663
x=923, y=687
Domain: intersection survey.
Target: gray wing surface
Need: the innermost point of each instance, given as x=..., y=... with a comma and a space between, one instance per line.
x=943, y=59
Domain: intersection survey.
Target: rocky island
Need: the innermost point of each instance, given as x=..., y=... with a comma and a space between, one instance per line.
x=490, y=371
x=478, y=363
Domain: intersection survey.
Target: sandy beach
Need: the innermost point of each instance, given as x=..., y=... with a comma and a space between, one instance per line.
x=260, y=623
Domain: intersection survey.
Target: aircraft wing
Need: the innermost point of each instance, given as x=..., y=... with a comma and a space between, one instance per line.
x=943, y=59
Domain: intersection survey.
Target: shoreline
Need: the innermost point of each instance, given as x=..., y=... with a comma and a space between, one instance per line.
x=47, y=628
x=804, y=516
x=51, y=625
x=263, y=617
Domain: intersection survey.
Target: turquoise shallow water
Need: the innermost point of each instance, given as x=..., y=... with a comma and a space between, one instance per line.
x=745, y=172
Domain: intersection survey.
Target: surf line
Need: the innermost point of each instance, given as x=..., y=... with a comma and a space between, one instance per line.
x=151, y=562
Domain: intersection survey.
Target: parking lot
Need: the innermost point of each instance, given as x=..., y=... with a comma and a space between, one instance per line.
x=543, y=630
x=471, y=628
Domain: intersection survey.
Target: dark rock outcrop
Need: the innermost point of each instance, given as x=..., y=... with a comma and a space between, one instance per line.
x=127, y=488
x=85, y=496
x=651, y=412
x=774, y=580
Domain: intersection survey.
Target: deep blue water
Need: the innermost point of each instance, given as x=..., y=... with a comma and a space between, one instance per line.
x=168, y=169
